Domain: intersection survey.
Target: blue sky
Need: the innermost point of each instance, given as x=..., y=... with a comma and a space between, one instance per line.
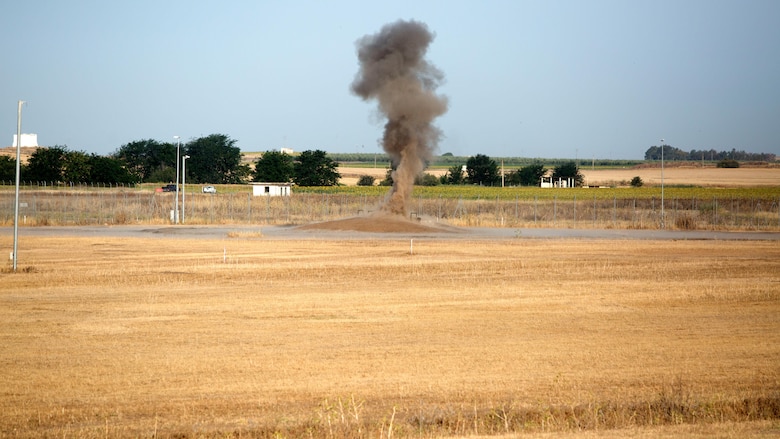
x=549, y=79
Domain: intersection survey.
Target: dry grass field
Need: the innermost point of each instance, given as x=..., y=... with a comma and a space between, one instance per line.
x=250, y=337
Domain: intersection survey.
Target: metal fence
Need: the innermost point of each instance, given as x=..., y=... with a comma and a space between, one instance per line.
x=132, y=206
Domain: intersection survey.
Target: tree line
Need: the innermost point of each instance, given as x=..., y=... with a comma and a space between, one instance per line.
x=215, y=159
x=212, y=159
x=484, y=171
x=676, y=154
x=481, y=170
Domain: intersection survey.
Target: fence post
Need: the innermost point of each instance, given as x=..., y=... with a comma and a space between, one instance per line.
x=614, y=211
x=249, y=207
x=536, y=201
x=714, y=212
x=575, y=211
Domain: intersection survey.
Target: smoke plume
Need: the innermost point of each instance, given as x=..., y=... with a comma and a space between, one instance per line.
x=393, y=70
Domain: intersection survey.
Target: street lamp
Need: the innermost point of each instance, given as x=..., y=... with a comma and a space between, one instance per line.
x=18, y=167
x=176, y=200
x=662, y=185
x=183, y=183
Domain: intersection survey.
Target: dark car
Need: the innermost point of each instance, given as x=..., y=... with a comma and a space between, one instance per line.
x=169, y=188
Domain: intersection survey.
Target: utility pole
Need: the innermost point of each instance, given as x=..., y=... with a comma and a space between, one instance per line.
x=663, y=225
x=18, y=172
x=176, y=199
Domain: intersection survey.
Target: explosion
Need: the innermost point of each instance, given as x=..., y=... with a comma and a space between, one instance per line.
x=393, y=70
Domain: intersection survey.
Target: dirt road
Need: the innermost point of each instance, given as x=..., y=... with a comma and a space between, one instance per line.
x=295, y=233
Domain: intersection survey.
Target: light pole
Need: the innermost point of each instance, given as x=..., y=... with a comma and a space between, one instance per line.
x=183, y=185
x=176, y=200
x=663, y=225
x=18, y=168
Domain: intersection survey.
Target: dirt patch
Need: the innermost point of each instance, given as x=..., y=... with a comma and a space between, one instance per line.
x=379, y=224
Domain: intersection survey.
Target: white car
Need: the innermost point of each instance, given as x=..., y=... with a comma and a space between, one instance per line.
x=209, y=190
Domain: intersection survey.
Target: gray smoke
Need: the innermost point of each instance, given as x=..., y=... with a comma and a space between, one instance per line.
x=393, y=70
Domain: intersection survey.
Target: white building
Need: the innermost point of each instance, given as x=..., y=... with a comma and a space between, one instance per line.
x=271, y=189
x=560, y=182
x=27, y=140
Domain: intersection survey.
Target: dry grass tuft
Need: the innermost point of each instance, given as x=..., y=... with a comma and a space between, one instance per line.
x=245, y=234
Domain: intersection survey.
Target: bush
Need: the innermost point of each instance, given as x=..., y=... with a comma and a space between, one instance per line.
x=685, y=222
x=366, y=180
x=637, y=182
x=426, y=179
x=728, y=163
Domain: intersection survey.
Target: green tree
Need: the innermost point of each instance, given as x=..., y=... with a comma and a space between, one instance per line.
x=529, y=175
x=482, y=170
x=669, y=153
x=454, y=175
x=46, y=164
x=366, y=180
x=388, y=180
x=426, y=179
x=108, y=170
x=145, y=158
x=727, y=163
x=274, y=167
x=568, y=170
x=76, y=167
x=315, y=168
x=7, y=168
x=215, y=159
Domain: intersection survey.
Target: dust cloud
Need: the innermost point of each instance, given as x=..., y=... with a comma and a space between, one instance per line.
x=394, y=71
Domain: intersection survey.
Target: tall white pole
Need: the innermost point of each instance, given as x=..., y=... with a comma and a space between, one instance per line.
x=183, y=185
x=663, y=225
x=176, y=200
x=18, y=172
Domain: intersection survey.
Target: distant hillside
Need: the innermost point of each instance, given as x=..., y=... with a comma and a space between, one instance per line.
x=24, y=152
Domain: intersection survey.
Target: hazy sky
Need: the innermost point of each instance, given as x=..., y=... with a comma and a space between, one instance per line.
x=551, y=79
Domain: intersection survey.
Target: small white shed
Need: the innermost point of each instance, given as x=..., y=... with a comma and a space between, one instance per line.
x=271, y=189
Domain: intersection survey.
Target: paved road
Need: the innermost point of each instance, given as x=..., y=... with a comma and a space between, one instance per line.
x=290, y=232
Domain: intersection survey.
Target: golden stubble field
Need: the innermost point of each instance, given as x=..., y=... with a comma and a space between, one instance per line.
x=250, y=337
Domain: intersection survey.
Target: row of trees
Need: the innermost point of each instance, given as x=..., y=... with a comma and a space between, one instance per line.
x=213, y=159
x=310, y=168
x=484, y=171
x=57, y=163
x=675, y=154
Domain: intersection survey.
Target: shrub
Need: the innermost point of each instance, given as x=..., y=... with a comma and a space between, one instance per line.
x=426, y=179
x=637, y=182
x=366, y=180
x=685, y=222
x=728, y=163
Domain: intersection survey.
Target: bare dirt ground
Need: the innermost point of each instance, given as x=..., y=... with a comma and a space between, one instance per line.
x=380, y=223
x=693, y=176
